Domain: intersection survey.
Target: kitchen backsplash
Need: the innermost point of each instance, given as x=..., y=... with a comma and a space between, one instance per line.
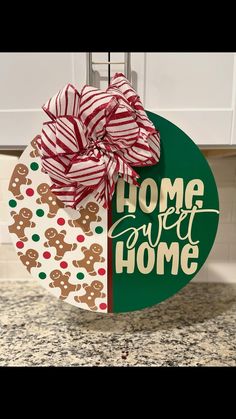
x=220, y=265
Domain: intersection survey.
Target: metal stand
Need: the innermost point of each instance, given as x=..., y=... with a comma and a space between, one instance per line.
x=90, y=62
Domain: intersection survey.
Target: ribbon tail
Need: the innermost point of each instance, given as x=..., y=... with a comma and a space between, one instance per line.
x=81, y=193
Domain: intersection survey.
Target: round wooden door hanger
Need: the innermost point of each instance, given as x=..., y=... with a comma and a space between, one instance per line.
x=148, y=245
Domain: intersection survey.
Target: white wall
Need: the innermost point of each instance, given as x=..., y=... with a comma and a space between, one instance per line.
x=221, y=263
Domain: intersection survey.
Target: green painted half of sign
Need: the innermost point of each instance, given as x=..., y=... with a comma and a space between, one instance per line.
x=180, y=158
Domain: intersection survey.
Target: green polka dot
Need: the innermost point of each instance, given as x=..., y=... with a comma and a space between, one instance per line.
x=42, y=275
x=99, y=230
x=35, y=237
x=12, y=203
x=34, y=166
x=40, y=213
x=80, y=275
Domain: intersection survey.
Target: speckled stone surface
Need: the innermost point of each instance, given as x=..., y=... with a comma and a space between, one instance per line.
x=195, y=327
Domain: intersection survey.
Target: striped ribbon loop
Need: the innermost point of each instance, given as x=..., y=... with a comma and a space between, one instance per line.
x=95, y=137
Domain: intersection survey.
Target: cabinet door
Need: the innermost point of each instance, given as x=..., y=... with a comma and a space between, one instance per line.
x=193, y=90
x=27, y=81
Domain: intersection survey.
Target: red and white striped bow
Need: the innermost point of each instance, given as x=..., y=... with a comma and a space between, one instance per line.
x=95, y=137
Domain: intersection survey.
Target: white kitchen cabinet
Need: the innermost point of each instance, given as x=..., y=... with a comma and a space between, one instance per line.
x=189, y=81
x=193, y=90
x=27, y=81
x=196, y=91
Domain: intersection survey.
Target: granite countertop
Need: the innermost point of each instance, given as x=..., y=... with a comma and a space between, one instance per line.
x=195, y=327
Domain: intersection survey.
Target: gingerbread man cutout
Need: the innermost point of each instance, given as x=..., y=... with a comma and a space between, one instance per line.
x=91, y=256
x=92, y=292
x=29, y=259
x=35, y=151
x=56, y=240
x=47, y=197
x=21, y=221
x=18, y=178
x=87, y=216
x=60, y=280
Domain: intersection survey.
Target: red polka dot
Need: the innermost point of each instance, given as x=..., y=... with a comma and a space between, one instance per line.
x=46, y=255
x=80, y=238
x=20, y=245
x=103, y=306
x=60, y=221
x=101, y=271
x=29, y=192
x=63, y=265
